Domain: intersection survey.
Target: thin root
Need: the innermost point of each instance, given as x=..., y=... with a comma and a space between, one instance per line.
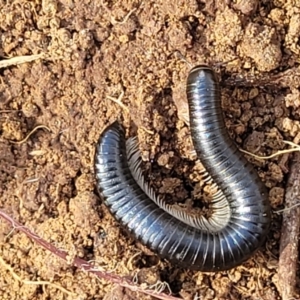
x=147, y=130
x=183, y=58
x=286, y=209
x=18, y=278
x=124, y=107
x=280, y=152
x=129, y=263
x=114, y=21
x=30, y=133
x=160, y=286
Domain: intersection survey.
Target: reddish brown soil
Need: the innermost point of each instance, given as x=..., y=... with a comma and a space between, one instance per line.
x=95, y=50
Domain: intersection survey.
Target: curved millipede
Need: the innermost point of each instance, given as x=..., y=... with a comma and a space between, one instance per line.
x=240, y=217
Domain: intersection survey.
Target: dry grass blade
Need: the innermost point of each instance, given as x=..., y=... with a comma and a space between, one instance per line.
x=19, y=60
x=85, y=265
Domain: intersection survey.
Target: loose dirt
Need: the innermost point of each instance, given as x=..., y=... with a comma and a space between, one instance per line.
x=95, y=50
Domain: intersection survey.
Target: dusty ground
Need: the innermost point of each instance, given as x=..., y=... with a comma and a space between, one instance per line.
x=97, y=49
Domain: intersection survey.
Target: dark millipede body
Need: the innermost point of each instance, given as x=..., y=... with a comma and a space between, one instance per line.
x=241, y=213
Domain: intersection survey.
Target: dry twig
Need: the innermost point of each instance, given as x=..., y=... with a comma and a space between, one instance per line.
x=290, y=233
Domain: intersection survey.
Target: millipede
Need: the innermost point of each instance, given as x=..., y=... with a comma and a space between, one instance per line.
x=241, y=214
